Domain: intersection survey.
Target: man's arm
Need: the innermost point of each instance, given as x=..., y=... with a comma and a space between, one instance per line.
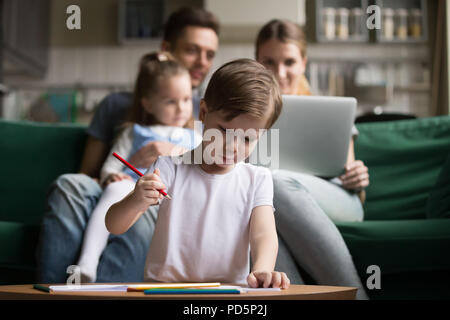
x=94, y=155
x=109, y=114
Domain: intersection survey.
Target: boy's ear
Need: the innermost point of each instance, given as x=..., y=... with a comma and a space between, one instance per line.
x=203, y=110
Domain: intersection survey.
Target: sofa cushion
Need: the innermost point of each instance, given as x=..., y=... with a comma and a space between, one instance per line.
x=404, y=160
x=17, y=244
x=399, y=246
x=438, y=205
x=33, y=155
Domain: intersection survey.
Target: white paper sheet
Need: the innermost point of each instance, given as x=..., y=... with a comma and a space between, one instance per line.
x=123, y=288
x=90, y=287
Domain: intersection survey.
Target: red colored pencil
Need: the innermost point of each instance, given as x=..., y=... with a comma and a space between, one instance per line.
x=129, y=165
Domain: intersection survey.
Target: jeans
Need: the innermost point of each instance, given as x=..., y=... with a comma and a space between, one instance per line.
x=306, y=207
x=71, y=200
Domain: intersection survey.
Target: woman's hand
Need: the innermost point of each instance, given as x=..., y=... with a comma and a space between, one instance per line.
x=267, y=279
x=116, y=177
x=356, y=176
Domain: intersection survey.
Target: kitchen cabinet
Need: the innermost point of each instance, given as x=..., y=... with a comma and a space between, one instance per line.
x=25, y=39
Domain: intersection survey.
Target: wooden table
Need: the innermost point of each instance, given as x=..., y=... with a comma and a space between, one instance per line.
x=295, y=292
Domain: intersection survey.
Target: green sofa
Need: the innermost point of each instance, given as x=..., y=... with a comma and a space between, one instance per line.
x=404, y=159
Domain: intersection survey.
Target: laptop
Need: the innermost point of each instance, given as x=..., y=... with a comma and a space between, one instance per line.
x=314, y=135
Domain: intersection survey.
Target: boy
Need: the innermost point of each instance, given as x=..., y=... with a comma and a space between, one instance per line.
x=221, y=206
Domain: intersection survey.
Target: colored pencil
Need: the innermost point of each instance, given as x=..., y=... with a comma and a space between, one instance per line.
x=192, y=291
x=41, y=288
x=189, y=285
x=129, y=165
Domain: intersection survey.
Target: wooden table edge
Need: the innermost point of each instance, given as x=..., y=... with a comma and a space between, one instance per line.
x=26, y=292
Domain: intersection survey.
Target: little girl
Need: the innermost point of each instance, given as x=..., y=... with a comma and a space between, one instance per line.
x=161, y=111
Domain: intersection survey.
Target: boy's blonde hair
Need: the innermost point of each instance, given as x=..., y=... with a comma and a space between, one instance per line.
x=244, y=86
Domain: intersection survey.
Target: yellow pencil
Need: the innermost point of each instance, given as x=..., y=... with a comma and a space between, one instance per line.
x=142, y=287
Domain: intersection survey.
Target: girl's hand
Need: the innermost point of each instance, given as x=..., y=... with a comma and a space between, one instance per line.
x=356, y=176
x=114, y=177
x=267, y=279
x=146, y=189
x=145, y=156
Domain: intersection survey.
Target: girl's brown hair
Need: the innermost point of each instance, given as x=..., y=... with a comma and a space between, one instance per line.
x=284, y=31
x=152, y=68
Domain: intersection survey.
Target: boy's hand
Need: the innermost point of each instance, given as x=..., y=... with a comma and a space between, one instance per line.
x=146, y=189
x=267, y=279
x=113, y=177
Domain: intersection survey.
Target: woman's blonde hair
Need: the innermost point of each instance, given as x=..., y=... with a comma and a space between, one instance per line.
x=284, y=31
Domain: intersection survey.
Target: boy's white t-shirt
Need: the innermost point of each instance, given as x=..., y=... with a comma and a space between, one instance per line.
x=202, y=234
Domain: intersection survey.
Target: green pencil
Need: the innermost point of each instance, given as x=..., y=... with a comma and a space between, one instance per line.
x=41, y=288
x=191, y=291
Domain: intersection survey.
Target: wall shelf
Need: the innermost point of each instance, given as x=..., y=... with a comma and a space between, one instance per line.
x=407, y=21
x=410, y=88
x=368, y=52
x=336, y=21
x=409, y=26
x=142, y=21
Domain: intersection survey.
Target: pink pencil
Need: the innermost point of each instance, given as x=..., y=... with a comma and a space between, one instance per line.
x=129, y=165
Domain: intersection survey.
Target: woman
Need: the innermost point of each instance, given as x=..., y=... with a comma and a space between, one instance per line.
x=308, y=206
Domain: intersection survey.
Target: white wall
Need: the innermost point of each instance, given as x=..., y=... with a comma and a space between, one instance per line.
x=100, y=68
x=256, y=12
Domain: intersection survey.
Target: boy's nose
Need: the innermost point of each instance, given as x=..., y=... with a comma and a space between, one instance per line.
x=231, y=146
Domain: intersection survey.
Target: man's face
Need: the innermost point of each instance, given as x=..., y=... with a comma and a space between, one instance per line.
x=195, y=50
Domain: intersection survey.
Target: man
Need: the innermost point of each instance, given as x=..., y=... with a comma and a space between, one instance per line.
x=191, y=35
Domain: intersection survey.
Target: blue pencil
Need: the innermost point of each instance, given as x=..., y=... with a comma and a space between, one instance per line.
x=192, y=291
